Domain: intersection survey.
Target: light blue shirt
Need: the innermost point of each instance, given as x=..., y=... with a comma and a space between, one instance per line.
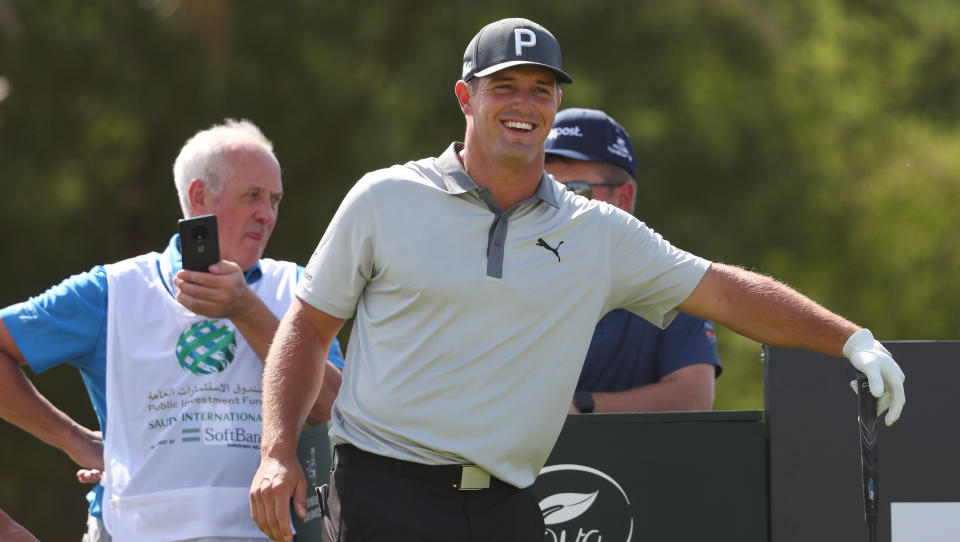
x=67, y=324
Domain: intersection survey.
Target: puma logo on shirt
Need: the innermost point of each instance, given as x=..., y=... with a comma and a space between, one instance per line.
x=542, y=243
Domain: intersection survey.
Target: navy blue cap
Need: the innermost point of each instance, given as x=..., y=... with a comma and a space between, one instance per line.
x=512, y=42
x=592, y=136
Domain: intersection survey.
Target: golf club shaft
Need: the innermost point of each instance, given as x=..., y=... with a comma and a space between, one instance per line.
x=868, y=455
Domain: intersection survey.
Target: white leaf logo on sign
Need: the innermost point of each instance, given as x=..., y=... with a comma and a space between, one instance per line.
x=565, y=506
x=571, y=509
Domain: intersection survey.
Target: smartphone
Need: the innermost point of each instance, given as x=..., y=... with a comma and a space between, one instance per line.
x=199, y=242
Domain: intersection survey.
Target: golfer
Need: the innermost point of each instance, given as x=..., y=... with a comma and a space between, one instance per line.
x=475, y=281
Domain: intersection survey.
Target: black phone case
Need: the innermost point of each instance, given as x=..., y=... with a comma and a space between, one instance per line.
x=199, y=242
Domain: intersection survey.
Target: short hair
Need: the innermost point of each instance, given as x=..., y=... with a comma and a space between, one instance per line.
x=612, y=173
x=608, y=171
x=202, y=156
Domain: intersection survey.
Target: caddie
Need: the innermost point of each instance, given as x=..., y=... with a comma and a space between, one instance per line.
x=171, y=358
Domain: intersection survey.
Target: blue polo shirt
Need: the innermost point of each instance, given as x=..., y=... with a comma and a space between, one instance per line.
x=67, y=324
x=627, y=351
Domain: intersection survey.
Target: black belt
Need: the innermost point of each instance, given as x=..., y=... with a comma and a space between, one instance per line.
x=461, y=477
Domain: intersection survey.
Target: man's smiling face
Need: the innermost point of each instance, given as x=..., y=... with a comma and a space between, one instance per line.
x=511, y=112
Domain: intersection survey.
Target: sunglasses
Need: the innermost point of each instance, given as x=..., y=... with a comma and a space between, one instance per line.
x=585, y=188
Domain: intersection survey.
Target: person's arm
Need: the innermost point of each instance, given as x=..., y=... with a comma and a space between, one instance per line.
x=224, y=293
x=291, y=382
x=332, y=377
x=329, y=388
x=688, y=388
x=770, y=312
x=680, y=364
x=11, y=531
x=767, y=311
x=22, y=405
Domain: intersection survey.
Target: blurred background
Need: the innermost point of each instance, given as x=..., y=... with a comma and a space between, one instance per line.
x=815, y=141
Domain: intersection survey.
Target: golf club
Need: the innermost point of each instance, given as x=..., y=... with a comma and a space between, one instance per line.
x=868, y=455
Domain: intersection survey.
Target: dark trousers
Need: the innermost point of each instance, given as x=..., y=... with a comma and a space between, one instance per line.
x=377, y=499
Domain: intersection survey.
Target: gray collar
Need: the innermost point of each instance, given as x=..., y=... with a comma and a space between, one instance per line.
x=457, y=180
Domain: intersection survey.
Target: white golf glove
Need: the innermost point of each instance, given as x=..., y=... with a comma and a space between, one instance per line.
x=883, y=374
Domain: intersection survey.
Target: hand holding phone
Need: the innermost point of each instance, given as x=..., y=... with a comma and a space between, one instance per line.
x=199, y=242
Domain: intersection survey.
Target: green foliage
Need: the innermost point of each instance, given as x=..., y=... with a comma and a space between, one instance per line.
x=813, y=141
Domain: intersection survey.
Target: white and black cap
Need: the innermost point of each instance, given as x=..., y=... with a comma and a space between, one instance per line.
x=512, y=42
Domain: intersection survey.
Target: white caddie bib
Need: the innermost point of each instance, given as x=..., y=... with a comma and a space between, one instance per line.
x=183, y=409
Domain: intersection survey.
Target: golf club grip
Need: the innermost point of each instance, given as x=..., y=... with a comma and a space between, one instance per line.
x=868, y=449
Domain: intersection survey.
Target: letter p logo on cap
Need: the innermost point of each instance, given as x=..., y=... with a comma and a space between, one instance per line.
x=519, y=42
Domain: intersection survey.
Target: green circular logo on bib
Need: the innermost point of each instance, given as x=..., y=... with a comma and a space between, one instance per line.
x=207, y=347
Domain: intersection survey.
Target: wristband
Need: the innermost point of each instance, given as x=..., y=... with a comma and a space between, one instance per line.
x=583, y=400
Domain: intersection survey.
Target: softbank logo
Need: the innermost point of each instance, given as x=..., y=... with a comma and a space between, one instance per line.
x=523, y=37
x=565, y=131
x=584, y=505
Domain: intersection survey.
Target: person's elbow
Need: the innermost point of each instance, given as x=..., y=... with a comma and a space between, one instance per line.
x=702, y=398
x=693, y=386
